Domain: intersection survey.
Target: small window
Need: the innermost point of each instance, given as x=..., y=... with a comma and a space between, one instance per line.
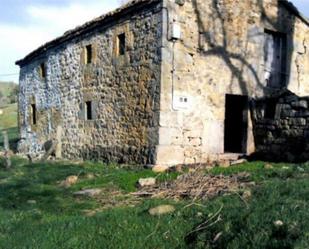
x=88, y=54
x=88, y=107
x=270, y=109
x=42, y=70
x=33, y=114
x=121, y=44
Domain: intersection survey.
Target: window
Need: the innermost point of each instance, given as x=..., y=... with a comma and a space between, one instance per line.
x=42, y=70
x=88, y=109
x=88, y=54
x=121, y=44
x=33, y=114
x=275, y=59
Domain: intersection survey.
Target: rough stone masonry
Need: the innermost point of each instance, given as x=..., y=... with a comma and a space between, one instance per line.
x=167, y=82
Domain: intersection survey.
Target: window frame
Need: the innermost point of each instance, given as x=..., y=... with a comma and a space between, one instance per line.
x=42, y=70
x=89, y=110
x=33, y=114
x=121, y=44
x=88, y=54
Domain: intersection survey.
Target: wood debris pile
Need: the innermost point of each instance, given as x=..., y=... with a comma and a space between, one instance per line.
x=197, y=186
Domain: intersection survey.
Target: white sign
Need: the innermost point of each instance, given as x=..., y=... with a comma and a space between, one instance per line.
x=181, y=102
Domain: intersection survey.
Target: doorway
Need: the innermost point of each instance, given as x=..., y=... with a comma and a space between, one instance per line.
x=236, y=124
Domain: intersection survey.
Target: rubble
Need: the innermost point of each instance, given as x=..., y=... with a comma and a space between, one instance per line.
x=197, y=185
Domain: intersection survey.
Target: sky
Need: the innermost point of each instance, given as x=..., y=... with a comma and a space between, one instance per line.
x=27, y=24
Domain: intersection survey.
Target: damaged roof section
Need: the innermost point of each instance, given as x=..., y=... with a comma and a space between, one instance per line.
x=131, y=6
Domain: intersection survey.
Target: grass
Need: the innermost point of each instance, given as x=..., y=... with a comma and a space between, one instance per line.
x=6, y=88
x=9, y=118
x=35, y=212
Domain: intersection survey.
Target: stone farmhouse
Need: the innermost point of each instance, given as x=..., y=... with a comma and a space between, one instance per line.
x=172, y=82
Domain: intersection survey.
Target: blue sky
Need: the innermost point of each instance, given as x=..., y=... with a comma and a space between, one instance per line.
x=27, y=24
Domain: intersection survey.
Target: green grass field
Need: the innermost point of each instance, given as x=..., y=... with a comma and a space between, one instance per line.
x=35, y=212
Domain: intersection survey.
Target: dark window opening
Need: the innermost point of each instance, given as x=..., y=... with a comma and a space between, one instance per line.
x=33, y=112
x=236, y=124
x=43, y=71
x=275, y=56
x=121, y=44
x=89, y=110
x=270, y=109
x=88, y=58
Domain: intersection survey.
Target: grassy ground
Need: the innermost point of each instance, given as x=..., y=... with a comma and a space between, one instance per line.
x=35, y=212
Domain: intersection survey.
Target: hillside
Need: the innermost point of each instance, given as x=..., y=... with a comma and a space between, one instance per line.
x=8, y=112
x=7, y=87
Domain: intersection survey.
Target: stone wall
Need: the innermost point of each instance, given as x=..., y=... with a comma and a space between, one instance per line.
x=220, y=52
x=164, y=101
x=283, y=134
x=124, y=90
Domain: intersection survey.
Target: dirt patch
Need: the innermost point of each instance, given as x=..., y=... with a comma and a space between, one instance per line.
x=197, y=186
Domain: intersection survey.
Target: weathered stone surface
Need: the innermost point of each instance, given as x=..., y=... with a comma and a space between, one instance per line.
x=161, y=210
x=143, y=182
x=164, y=101
x=278, y=223
x=69, y=181
x=32, y=202
x=124, y=91
x=268, y=166
x=160, y=168
x=300, y=104
x=239, y=161
x=286, y=139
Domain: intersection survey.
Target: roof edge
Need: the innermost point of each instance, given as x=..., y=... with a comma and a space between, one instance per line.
x=290, y=6
x=88, y=26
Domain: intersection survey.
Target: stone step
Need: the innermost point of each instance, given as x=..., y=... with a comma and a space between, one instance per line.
x=229, y=159
x=230, y=156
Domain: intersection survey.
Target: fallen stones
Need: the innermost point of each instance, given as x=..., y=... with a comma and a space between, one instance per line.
x=239, y=161
x=32, y=202
x=161, y=210
x=90, y=176
x=160, y=168
x=143, y=182
x=247, y=194
x=69, y=181
x=88, y=192
x=268, y=166
x=278, y=223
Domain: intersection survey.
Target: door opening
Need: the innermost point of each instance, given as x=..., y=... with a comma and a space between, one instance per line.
x=236, y=124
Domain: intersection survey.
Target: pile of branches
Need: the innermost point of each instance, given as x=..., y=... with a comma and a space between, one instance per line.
x=197, y=186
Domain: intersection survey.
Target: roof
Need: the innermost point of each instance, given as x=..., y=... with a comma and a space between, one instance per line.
x=131, y=6
x=291, y=7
